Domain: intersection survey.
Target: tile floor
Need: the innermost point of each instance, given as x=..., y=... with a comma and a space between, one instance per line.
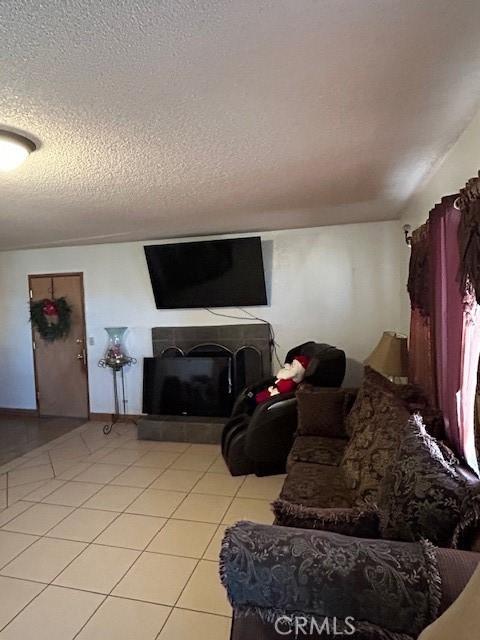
x=111, y=538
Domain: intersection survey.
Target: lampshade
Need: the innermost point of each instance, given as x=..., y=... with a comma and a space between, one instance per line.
x=390, y=356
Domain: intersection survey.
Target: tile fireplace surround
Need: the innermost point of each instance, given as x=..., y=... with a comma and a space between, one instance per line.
x=234, y=338
x=231, y=336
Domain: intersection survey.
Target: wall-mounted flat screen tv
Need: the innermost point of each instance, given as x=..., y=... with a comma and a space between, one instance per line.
x=215, y=273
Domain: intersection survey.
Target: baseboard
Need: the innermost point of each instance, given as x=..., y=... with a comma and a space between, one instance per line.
x=108, y=417
x=11, y=411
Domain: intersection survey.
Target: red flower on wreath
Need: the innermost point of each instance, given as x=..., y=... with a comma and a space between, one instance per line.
x=49, y=308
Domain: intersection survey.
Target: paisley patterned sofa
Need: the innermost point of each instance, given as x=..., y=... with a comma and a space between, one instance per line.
x=377, y=521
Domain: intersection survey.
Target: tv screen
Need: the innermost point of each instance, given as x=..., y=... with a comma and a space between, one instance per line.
x=195, y=386
x=215, y=273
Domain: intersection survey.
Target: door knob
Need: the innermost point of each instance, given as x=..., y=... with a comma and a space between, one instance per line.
x=82, y=356
x=79, y=340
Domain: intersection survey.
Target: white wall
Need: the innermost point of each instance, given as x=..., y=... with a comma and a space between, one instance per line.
x=334, y=284
x=461, y=163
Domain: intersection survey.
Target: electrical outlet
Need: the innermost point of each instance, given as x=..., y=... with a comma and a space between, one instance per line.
x=91, y=341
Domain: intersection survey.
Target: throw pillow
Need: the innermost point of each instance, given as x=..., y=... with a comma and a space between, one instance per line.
x=409, y=395
x=373, y=444
x=321, y=412
x=359, y=522
x=467, y=532
x=421, y=495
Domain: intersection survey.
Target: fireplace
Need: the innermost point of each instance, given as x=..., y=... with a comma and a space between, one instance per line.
x=199, y=371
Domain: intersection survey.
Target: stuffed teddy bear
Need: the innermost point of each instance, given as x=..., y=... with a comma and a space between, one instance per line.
x=287, y=379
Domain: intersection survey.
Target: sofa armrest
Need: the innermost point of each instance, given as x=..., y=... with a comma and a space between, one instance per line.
x=276, y=571
x=358, y=522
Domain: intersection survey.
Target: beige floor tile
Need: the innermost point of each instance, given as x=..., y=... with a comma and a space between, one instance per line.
x=44, y=560
x=213, y=549
x=12, y=512
x=56, y=614
x=137, y=445
x=113, y=498
x=155, y=502
x=174, y=447
x=34, y=461
x=177, y=480
x=121, y=619
x=183, y=538
x=8, y=466
x=95, y=438
x=39, y=519
x=267, y=488
x=156, y=578
x=122, y=456
x=131, y=531
x=249, y=509
x=83, y=525
x=202, y=508
x=67, y=470
x=22, y=491
x=49, y=487
x=97, y=456
x=35, y=452
x=69, y=454
x=98, y=568
x=137, y=477
x=25, y=475
x=73, y=494
x=101, y=473
x=218, y=484
x=3, y=499
x=212, y=450
x=207, y=626
x=14, y=595
x=193, y=462
x=73, y=448
x=12, y=544
x=157, y=459
x=219, y=466
x=204, y=591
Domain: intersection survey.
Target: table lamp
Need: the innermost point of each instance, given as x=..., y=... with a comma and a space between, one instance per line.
x=390, y=356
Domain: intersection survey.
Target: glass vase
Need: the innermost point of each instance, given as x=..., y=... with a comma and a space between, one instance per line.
x=116, y=355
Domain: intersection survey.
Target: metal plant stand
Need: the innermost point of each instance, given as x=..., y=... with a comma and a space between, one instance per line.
x=117, y=416
x=116, y=359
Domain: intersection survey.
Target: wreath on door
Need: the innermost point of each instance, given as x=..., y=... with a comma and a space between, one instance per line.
x=51, y=318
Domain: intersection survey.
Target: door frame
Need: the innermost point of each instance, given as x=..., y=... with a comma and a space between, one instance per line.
x=32, y=276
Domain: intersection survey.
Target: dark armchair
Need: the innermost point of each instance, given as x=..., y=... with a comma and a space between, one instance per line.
x=258, y=438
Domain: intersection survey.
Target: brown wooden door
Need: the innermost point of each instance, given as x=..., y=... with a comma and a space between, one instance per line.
x=61, y=366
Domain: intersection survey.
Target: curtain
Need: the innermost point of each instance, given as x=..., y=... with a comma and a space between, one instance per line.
x=421, y=361
x=447, y=315
x=469, y=276
x=468, y=385
x=445, y=320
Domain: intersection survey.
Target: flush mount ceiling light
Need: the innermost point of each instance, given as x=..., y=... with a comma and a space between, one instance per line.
x=14, y=149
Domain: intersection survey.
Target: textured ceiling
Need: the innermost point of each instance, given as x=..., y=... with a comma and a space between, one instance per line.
x=166, y=118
